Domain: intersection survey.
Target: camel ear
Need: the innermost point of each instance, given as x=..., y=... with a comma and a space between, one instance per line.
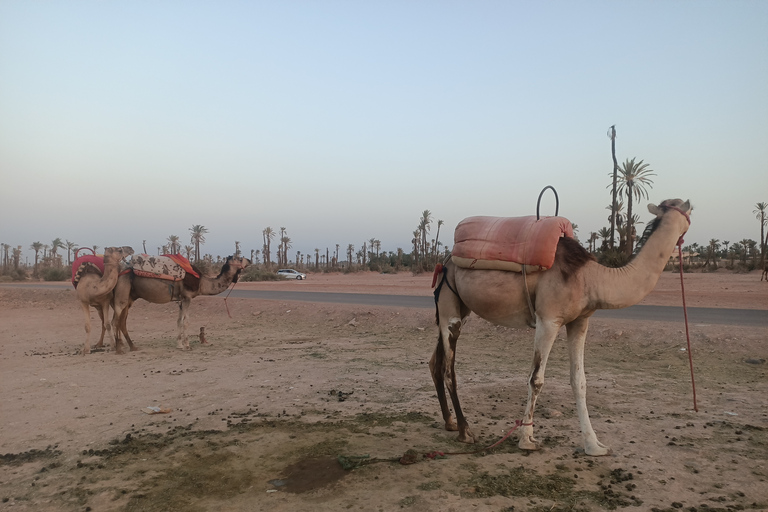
x=686, y=206
x=655, y=209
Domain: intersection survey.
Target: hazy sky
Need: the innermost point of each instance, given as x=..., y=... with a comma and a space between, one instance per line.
x=343, y=120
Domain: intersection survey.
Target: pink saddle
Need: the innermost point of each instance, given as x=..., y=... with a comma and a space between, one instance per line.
x=508, y=243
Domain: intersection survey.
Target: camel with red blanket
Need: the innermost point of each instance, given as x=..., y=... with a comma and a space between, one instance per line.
x=159, y=282
x=566, y=294
x=94, y=278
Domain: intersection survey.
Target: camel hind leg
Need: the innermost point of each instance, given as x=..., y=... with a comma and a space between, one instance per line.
x=103, y=327
x=442, y=363
x=182, y=341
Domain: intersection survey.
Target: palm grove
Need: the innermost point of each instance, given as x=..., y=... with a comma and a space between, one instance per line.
x=618, y=241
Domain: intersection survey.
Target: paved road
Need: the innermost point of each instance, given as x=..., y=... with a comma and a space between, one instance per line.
x=743, y=317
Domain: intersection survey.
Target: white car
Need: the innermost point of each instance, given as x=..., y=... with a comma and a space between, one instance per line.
x=289, y=273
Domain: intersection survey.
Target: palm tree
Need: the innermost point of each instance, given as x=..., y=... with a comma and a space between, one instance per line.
x=197, y=238
x=285, y=242
x=633, y=180
x=350, y=252
x=714, y=245
x=189, y=249
x=614, y=207
x=317, y=258
x=593, y=236
x=605, y=234
x=174, y=244
x=268, y=234
x=6, y=247
x=424, y=222
x=760, y=214
x=437, y=239
x=55, y=246
x=36, y=246
x=71, y=246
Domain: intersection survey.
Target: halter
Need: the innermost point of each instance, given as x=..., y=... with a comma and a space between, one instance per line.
x=687, y=217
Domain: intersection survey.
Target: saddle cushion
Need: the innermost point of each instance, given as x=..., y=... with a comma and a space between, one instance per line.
x=89, y=263
x=171, y=267
x=508, y=243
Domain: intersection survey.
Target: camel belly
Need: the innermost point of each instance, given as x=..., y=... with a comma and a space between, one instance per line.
x=496, y=296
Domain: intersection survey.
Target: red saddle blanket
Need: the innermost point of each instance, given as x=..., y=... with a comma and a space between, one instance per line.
x=508, y=243
x=85, y=264
x=171, y=267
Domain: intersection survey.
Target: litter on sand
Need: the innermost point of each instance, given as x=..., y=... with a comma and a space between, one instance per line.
x=155, y=410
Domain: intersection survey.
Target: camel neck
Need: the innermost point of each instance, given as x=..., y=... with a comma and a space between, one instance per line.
x=216, y=285
x=614, y=288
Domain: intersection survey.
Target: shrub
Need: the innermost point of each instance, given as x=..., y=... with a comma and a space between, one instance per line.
x=254, y=273
x=57, y=274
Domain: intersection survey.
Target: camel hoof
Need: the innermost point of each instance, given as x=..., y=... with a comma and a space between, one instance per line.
x=134, y=349
x=598, y=450
x=451, y=426
x=528, y=443
x=466, y=437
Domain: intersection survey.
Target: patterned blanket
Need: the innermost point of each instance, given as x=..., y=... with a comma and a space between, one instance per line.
x=171, y=267
x=508, y=243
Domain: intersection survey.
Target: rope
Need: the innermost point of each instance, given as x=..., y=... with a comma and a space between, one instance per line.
x=685, y=314
x=225, y=299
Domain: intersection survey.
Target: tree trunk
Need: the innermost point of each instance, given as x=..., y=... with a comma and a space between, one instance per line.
x=615, y=173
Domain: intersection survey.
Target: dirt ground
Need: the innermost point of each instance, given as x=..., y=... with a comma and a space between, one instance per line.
x=264, y=416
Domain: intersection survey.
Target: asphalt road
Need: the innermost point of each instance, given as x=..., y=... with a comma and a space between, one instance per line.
x=699, y=316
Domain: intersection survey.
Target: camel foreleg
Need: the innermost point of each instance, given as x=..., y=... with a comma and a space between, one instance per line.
x=87, y=346
x=577, y=334
x=546, y=332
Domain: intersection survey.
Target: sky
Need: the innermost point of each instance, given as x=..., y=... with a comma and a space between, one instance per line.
x=343, y=121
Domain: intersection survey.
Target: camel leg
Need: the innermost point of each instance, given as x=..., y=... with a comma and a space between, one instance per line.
x=577, y=334
x=103, y=327
x=442, y=363
x=546, y=332
x=182, y=342
x=87, y=345
x=120, y=324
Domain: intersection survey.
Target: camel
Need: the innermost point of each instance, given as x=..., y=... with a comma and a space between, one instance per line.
x=158, y=291
x=566, y=294
x=95, y=290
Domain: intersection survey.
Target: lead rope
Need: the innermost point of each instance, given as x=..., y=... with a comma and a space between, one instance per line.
x=225, y=298
x=685, y=314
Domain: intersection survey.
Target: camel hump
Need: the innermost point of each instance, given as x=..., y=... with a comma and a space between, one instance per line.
x=508, y=243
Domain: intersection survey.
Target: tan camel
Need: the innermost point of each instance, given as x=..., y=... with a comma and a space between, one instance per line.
x=158, y=291
x=95, y=290
x=566, y=294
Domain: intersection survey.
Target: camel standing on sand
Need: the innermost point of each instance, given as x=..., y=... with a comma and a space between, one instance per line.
x=566, y=294
x=159, y=291
x=95, y=290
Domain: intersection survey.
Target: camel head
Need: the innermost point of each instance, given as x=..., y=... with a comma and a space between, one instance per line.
x=115, y=254
x=678, y=205
x=238, y=264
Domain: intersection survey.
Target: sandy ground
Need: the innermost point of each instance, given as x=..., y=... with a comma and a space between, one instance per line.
x=258, y=419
